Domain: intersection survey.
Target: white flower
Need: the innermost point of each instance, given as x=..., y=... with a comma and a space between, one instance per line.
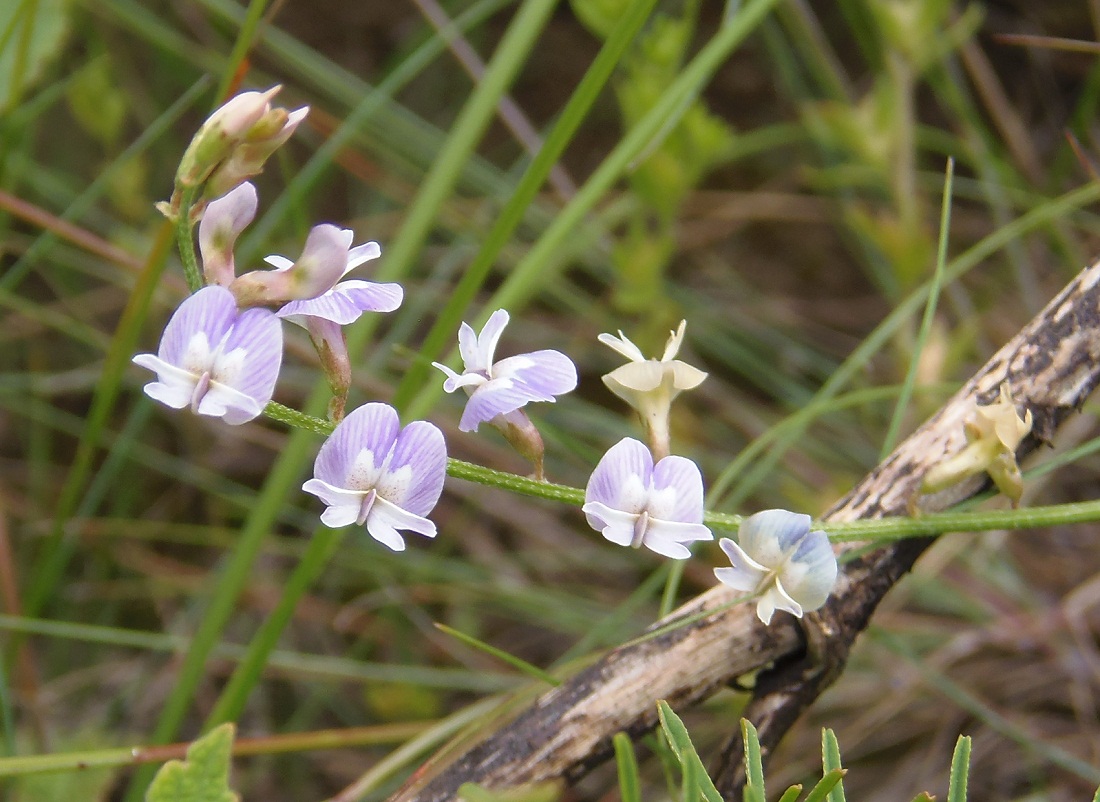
x=650, y=385
x=779, y=558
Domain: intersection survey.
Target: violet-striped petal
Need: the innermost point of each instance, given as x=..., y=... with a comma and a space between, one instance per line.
x=372, y=472
x=250, y=356
x=414, y=476
x=371, y=428
x=622, y=476
x=677, y=491
x=345, y=302
x=209, y=312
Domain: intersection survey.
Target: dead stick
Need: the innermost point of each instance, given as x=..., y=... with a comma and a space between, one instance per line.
x=1051, y=365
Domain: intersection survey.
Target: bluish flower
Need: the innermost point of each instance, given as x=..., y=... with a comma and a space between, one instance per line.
x=779, y=558
x=633, y=502
x=215, y=359
x=372, y=472
x=499, y=388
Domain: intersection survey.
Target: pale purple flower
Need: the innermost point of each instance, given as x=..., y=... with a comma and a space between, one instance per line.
x=215, y=359
x=311, y=286
x=372, y=472
x=779, y=558
x=344, y=301
x=499, y=388
x=633, y=502
x=221, y=225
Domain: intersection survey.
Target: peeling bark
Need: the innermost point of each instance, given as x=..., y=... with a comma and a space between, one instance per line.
x=1052, y=366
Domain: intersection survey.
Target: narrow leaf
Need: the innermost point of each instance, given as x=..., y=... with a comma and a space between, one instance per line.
x=826, y=784
x=754, y=763
x=627, y=762
x=830, y=761
x=791, y=794
x=510, y=659
x=960, y=770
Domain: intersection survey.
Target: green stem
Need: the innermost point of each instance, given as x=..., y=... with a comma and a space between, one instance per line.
x=186, y=240
x=885, y=529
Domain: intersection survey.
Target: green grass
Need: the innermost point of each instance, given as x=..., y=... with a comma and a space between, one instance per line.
x=160, y=573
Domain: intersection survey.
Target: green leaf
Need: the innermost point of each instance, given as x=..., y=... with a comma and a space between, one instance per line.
x=791, y=794
x=202, y=777
x=31, y=36
x=830, y=761
x=826, y=784
x=960, y=770
x=695, y=773
x=754, y=763
x=627, y=763
x=510, y=659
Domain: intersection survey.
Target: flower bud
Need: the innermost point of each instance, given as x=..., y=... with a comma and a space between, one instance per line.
x=223, y=222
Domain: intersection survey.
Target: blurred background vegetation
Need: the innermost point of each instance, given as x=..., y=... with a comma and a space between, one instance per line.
x=778, y=188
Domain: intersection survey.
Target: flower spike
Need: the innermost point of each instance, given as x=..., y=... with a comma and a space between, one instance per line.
x=650, y=385
x=633, y=502
x=781, y=560
x=373, y=473
x=216, y=360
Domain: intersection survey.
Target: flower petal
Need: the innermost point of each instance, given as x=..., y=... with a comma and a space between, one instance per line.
x=221, y=224
x=667, y=537
x=811, y=573
x=361, y=254
x=677, y=491
x=625, y=461
x=623, y=346
x=174, y=386
x=413, y=478
x=495, y=397
x=615, y=525
x=372, y=428
x=211, y=311
x=547, y=373
x=229, y=404
x=250, y=358
x=770, y=536
x=490, y=336
x=345, y=302
x=745, y=574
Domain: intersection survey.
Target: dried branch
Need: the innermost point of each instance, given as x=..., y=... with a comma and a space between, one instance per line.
x=1051, y=365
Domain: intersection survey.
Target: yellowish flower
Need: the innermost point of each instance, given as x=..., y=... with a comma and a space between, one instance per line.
x=650, y=385
x=993, y=433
